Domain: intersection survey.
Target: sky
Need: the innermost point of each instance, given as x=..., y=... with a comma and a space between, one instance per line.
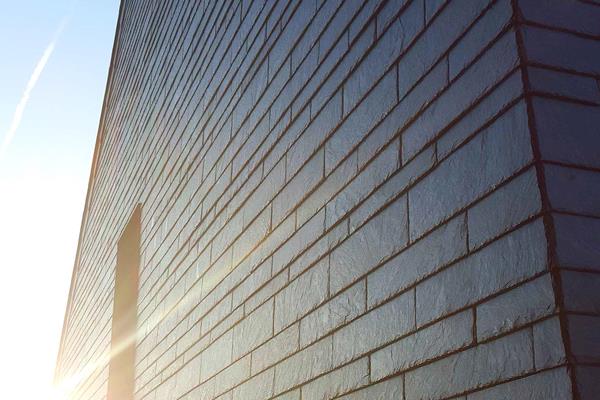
x=54, y=58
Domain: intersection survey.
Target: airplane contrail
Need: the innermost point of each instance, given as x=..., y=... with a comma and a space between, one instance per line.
x=39, y=68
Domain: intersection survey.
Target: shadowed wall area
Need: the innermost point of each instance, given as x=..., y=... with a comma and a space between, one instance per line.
x=121, y=370
x=346, y=199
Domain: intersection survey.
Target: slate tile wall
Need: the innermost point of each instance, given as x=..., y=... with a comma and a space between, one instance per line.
x=560, y=46
x=347, y=199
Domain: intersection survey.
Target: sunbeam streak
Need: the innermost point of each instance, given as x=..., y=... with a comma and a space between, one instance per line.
x=66, y=387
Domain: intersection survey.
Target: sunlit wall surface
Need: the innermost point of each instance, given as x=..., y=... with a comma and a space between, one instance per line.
x=365, y=200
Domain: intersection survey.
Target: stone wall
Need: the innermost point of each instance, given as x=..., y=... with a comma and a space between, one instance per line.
x=348, y=199
x=561, y=46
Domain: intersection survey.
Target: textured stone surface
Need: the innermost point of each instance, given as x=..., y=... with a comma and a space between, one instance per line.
x=573, y=190
x=486, y=28
x=563, y=84
x=341, y=199
x=452, y=20
x=567, y=132
x=491, y=105
x=393, y=319
x=389, y=389
x=585, y=337
x=380, y=168
x=521, y=305
x=361, y=121
x=564, y=47
x=424, y=257
x=504, y=263
x=549, y=348
x=578, y=241
x=258, y=388
x=217, y=356
x=550, y=385
x=476, y=80
x=501, y=359
x=341, y=309
x=432, y=342
x=253, y=330
x=581, y=291
x=378, y=239
x=233, y=375
x=276, y=349
x=504, y=208
x=562, y=50
x=471, y=171
x=301, y=295
x=338, y=382
x=567, y=14
x=305, y=365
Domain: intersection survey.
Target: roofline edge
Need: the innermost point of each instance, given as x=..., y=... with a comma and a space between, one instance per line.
x=91, y=181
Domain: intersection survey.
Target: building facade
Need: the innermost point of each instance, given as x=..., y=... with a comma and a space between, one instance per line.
x=319, y=199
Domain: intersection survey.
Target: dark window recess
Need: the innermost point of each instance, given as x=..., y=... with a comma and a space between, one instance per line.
x=121, y=371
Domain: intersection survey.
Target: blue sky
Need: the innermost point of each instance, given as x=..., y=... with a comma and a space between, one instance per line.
x=44, y=170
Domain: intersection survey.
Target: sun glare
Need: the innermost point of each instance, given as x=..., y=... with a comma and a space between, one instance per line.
x=52, y=89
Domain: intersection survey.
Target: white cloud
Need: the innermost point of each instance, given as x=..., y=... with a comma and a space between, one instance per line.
x=37, y=72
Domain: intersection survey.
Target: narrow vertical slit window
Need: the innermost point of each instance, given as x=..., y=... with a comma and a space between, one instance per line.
x=121, y=371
